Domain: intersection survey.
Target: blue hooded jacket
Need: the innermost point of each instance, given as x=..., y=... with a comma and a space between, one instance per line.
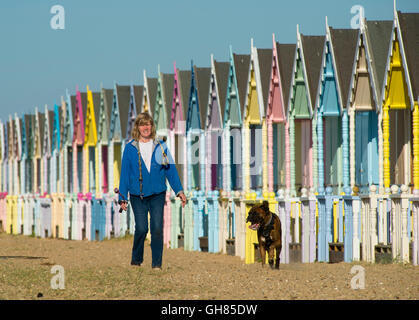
x=154, y=182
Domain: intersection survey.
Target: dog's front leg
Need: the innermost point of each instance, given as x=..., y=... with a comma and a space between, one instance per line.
x=262, y=253
x=271, y=253
x=278, y=245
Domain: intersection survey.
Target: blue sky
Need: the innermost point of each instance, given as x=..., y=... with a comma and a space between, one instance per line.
x=107, y=41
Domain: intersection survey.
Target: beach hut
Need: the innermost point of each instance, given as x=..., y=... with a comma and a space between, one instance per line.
x=135, y=103
x=21, y=137
x=68, y=102
x=79, y=214
x=195, y=127
x=94, y=206
x=332, y=114
x=177, y=146
x=161, y=117
x=6, y=156
x=232, y=120
x=364, y=104
x=103, y=136
x=277, y=115
x=231, y=206
x=8, y=174
x=67, y=143
x=13, y=159
x=5, y=169
x=214, y=124
x=400, y=121
x=214, y=148
x=400, y=112
x=118, y=125
x=25, y=167
x=48, y=184
x=3, y=210
x=27, y=173
x=302, y=106
x=38, y=147
x=43, y=203
x=117, y=139
x=30, y=191
x=119, y=114
x=366, y=138
x=58, y=196
x=62, y=121
x=78, y=105
x=15, y=155
x=91, y=165
x=17, y=123
x=57, y=177
x=254, y=145
x=37, y=150
x=333, y=139
x=182, y=81
x=196, y=156
x=2, y=156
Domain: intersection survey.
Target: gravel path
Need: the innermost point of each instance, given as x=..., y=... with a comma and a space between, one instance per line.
x=101, y=270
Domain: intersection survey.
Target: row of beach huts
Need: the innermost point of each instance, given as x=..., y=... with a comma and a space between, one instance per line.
x=326, y=129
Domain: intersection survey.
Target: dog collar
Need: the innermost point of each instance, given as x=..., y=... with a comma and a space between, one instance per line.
x=270, y=220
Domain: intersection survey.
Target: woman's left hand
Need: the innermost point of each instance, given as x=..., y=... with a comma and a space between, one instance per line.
x=183, y=199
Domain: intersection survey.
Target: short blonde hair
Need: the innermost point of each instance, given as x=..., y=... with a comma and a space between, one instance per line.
x=142, y=119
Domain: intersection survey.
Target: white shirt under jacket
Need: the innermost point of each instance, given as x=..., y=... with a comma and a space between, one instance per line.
x=146, y=149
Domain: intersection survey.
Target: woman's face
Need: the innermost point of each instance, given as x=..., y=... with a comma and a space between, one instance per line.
x=145, y=130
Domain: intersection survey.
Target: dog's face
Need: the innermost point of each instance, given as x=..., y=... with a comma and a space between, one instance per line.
x=257, y=215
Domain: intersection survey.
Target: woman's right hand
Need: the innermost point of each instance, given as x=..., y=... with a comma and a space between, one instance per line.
x=124, y=205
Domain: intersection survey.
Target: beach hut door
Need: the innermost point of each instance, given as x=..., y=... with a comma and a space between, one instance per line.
x=366, y=150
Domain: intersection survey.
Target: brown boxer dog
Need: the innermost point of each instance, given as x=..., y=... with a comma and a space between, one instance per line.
x=269, y=232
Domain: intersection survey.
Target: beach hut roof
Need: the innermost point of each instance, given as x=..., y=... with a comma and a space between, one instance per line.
x=83, y=96
x=313, y=51
x=138, y=98
x=285, y=54
x=241, y=66
x=41, y=119
x=379, y=38
x=28, y=126
x=221, y=74
x=168, y=85
x=202, y=82
x=265, y=65
x=344, y=42
x=184, y=89
x=123, y=98
x=152, y=92
x=51, y=115
x=409, y=27
x=96, y=106
x=108, y=103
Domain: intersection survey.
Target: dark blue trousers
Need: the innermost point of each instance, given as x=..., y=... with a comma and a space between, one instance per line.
x=141, y=207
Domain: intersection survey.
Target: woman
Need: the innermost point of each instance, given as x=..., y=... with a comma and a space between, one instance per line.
x=146, y=163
